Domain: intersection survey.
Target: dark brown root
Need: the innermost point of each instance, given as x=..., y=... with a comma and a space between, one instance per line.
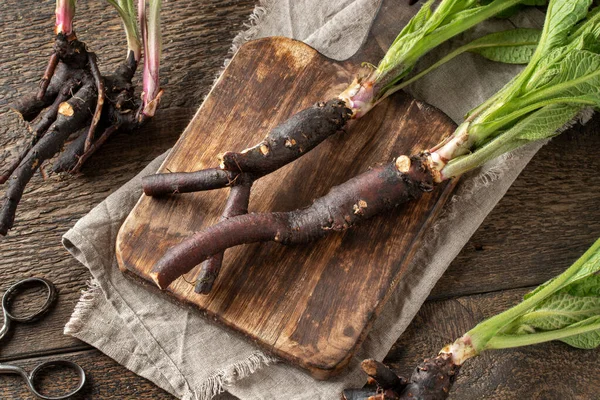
x=99, y=81
x=48, y=74
x=40, y=125
x=67, y=159
x=29, y=106
x=359, y=198
x=291, y=139
x=237, y=204
x=118, y=114
x=72, y=116
x=186, y=182
x=432, y=379
x=284, y=144
x=70, y=67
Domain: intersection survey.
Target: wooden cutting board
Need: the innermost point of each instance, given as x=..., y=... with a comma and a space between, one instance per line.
x=313, y=304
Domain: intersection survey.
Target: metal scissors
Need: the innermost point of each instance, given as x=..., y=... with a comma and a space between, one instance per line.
x=9, y=317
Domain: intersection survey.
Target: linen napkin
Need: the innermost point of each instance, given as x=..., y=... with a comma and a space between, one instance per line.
x=135, y=327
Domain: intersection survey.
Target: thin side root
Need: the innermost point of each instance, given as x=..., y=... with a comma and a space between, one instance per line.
x=187, y=182
x=99, y=81
x=48, y=74
x=93, y=147
x=237, y=204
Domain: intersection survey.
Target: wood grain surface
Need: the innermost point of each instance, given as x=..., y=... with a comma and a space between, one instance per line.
x=298, y=302
x=546, y=220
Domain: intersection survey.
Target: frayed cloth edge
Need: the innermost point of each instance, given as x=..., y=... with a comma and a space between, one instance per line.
x=216, y=384
x=86, y=304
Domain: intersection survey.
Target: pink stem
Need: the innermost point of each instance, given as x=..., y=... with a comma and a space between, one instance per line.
x=65, y=11
x=152, y=46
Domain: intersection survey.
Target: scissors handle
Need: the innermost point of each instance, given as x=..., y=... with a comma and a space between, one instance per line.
x=30, y=379
x=15, y=289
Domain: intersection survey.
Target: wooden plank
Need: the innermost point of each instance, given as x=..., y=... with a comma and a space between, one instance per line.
x=549, y=371
x=529, y=372
x=106, y=380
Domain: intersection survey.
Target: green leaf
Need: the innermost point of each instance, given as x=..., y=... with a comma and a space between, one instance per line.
x=588, y=267
x=515, y=46
x=561, y=17
x=428, y=29
x=560, y=311
x=589, y=286
x=588, y=340
x=576, y=75
x=540, y=76
x=545, y=122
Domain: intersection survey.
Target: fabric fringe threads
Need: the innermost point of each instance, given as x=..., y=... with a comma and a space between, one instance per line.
x=215, y=384
x=86, y=303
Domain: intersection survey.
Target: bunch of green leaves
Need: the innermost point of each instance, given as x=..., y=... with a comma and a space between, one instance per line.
x=428, y=29
x=561, y=79
x=566, y=308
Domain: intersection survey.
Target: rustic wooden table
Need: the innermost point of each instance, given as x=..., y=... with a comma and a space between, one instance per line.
x=546, y=220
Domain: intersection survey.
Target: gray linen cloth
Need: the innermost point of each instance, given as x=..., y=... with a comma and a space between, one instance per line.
x=135, y=327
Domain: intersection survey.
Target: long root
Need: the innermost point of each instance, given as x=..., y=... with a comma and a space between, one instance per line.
x=291, y=139
x=284, y=144
x=360, y=198
x=70, y=89
x=70, y=118
x=237, y=204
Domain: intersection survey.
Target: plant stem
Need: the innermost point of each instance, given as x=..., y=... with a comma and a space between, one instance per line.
x=421, y=74
x=485, y=331
x=125, y=10
x=152, y=48
x=65, y=11
x=508, y=341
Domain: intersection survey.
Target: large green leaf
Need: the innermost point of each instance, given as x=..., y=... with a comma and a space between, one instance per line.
x=589, y=340
x=561, y=17
x=577, y=75
x=515, y=46
x=589, y=286
x=546, y=122
x=560, y=311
